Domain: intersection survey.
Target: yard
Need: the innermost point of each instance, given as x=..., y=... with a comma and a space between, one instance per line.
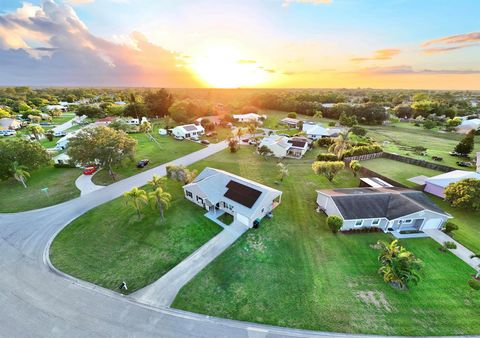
x=294, y=272
x=164, y=150
x=109, y=244
x=61, y=187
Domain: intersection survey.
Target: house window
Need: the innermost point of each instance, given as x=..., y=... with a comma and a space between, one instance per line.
x=376, y=221
x=189, y=194
x=359, y=223
x=199, y=199
x=408, y=221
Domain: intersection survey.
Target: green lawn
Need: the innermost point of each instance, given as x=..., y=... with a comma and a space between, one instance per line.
x=167, y=149
x=60, y=182
x=403, y=136
x=398, y=171
x=294, y=272
x=222, y=134
x=109, y=244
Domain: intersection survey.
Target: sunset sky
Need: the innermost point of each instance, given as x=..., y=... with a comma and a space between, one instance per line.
x=248, y=43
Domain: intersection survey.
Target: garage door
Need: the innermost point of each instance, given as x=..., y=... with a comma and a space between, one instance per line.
x=243, y=219
x=433, y=223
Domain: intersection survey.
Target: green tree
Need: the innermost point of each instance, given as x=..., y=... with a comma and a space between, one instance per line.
x=348, y=121
x=265, y=151
x=158, y=103
x=157, y=181
x=91, y=112
x=328, y=169
x=101, y=145
x=233, y=145
x=4, y=113
x=292, y=115
x=36, y=130
x=355, y=166
x=136, y=198
x=399, y=267
x=20, y=173
x=146, y=127
x=160, y=200
x=340, y=145
x=465, y=147
x=26, y=154
x=334, y=223
x=359, y=131
x=464, y=194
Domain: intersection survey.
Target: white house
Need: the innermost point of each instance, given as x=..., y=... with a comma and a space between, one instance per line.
x=290, y=122
x=282, y=146
x=188, y=131
x=315, y=131
x=7, y=123
x=247, y=118
x=436, y=185
x=219, y=192
x=389, y=209
x=60, y=107
x=468, y=125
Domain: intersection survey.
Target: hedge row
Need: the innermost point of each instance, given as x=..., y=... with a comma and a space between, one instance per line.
x=362, y=150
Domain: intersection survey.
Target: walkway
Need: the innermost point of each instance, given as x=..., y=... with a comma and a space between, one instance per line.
x=461, y=252
x=163, y=291
x=85, y=185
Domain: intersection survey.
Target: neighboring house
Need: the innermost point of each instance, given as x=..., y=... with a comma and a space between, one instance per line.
x=133, y=121
x=389, y=209
x=436, y=185
x=62, y=158
x=218, y=191
x=60, y=107
x=105, y=121
x=291, y=123
x=247, y=118
x=188, y=131
x=315, y=131
x=8, y=123
x=215, y=120
x=468, y=125
x=282, y=146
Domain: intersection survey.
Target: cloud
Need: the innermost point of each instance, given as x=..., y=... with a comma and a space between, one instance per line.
x=452, y=42
x=403, y=69
x=381, y=54
x=49, y=44
x=286, y=3
x=246, y=62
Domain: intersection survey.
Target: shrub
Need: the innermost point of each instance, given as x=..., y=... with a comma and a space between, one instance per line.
x=362, y=150
x=329, y=157
x=334, y=223
x=292, y=115
x=329, y=169
x=474, y=284
x=325, y=142
x=359, y=131
x=448, y=245
x=449, y=227
x=429, y=124
x=331, y=124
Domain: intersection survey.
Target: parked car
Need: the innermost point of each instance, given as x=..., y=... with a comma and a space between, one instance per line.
x=59, y=134
x=8, y=132
x=454, y=153
x=142, y=163
x=180, y=138
x=205, y=142
x=195, y=139
x=45, y=123
x=89, y=170
x=252, y=142
x=437, y=158
x=465, y=164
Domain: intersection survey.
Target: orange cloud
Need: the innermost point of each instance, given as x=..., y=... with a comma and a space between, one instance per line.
x=381, y=54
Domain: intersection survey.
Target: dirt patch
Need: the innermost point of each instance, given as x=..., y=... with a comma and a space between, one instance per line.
x=375, y=298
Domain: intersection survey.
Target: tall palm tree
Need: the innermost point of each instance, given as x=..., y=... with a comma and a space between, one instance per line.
x=161, y=200
x=157, y=181
x=20, y=173
x=340, y=145
x=399, y=266
x=136, y=198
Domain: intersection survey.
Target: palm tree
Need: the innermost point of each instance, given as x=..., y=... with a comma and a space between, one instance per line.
x=355, y=166
x=341, y=144
x=135, y=198
x=157, y=181
x=160, y=199
x=20, y=173
x=399, y=266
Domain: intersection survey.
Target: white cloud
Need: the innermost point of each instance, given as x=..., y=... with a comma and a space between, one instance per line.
x=286, y=3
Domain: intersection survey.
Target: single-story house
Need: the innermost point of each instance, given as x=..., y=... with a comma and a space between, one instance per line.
x=247, y=118
x=62, y=158
x=389, y=209
x=7, y=123
x=219, y=192
x=291, y=123
x=60, y=107
x=468, y=125
x=315, y=131
x=105, y=120
x=133, y=121
x=436, y=185
x=282, y=146
x=188, y=131
x=215, y=120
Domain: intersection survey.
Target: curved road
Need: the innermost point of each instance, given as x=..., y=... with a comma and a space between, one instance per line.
x=38, y=301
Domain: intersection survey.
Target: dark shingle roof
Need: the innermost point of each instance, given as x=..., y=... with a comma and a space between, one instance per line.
x=242, y=194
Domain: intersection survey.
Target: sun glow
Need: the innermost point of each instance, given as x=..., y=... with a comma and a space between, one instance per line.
x=222, y=66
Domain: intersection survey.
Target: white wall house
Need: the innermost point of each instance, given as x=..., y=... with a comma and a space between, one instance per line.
x=247, y=118
x=219, y=192
x=389, y=209
x=60, y=107
x=436, y=185
x=468, y=125
x=188, y=131
x=282, y=146
x=7, y=123
x=314, y=131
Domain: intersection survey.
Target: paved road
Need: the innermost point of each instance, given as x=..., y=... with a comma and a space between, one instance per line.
x=85, y=185
x=164, y=290
x=37, y=301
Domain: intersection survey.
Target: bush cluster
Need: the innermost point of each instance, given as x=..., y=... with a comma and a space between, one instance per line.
x=362, y=230
x=325, y=142
x=329, y=157
x=363, y=150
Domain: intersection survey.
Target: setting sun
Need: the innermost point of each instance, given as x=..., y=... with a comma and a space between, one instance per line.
x=223, y=66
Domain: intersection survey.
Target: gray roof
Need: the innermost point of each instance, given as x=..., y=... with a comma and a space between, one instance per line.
x=390, y=203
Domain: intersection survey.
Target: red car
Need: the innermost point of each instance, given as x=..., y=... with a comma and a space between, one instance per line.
x=90, y=170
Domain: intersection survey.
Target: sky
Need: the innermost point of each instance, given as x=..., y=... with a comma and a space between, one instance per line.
x=427, y=44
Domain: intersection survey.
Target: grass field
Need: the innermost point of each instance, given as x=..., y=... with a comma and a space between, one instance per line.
x=167, y=149
x=275, y=116
x=61, y=186
x=109, y=244
x=403, y=136
x=294, y=272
